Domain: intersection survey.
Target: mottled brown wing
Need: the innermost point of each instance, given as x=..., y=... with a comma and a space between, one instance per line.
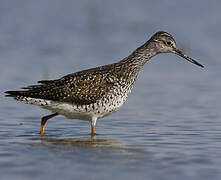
x=87, y=88
x=83, y=87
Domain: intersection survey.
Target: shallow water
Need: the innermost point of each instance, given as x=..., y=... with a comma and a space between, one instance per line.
x=170, y=127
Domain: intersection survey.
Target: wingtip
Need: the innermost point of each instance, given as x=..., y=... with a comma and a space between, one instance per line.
x=8, y=95
x=7, y=92
x=11, y=93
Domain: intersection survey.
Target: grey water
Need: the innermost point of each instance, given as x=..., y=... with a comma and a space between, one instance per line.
x=170, y=126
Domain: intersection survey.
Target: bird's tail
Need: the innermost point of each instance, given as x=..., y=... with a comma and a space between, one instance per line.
x=25, y=96
x=18, y=95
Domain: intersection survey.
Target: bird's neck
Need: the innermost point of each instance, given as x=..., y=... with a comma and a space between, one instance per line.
x=140, y=56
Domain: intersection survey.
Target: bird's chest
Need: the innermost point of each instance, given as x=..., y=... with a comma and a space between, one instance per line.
x=112, y=102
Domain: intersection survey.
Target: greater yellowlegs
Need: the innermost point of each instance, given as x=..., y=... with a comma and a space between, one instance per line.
x=95, y=93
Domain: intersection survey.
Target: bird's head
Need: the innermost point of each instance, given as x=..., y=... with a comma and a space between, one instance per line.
x=165, y=43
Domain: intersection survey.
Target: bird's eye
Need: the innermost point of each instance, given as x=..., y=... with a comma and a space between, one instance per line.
x=169, y=43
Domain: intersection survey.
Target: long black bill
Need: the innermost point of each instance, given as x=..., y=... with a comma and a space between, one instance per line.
x=180, y=53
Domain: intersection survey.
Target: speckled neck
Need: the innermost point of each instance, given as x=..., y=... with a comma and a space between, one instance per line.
x=141, y=55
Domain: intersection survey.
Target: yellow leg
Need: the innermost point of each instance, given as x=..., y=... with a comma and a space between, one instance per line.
x=43, y=122
x=42, y=133
x=92, y=130
x=93, y=123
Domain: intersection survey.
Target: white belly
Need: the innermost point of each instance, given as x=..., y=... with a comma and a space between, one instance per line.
x=83, y=112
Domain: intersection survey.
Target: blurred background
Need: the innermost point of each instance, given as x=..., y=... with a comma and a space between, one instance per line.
x=172, y=119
